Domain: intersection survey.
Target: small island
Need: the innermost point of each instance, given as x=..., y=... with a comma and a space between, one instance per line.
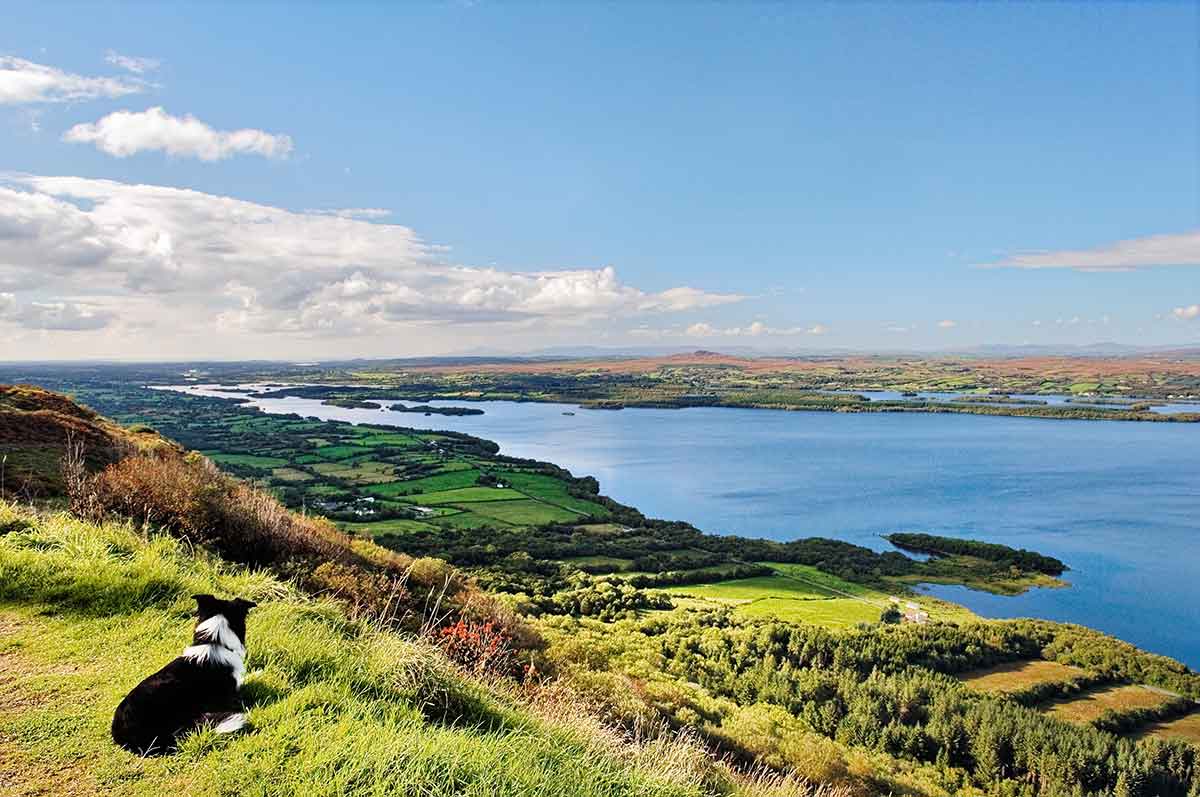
x=987, y=566
x=426, y=409
x=352, y=404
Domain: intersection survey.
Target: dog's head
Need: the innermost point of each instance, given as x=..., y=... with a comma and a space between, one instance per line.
x=234, y=612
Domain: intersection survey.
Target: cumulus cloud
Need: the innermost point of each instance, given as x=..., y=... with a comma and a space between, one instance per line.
x=1187, y=313
x=177, y=256
x=947, y=324
x=24, y=81
x=1181, y=249
x=132, y=63
x=125, y=133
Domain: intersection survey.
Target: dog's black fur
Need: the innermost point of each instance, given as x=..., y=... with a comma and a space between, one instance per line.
x=199, y=687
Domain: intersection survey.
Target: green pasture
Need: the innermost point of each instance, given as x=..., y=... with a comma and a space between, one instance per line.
x=251, y=460
x=464, y=495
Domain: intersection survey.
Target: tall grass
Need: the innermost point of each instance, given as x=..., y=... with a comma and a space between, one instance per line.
x=193, y=500
x=338, y=705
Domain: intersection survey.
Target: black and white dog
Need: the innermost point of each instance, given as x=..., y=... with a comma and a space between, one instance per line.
x=200, y=687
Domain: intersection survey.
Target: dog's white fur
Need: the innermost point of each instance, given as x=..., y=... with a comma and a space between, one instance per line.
x=224, y=649
x=231, y=724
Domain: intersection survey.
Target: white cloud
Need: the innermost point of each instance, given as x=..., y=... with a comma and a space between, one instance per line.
x=1187, y=313
x=1181, y=249
x=125, y=133
x=352, y=213
x=674, y=299
x=191, y=261
x=703, y=329
x=54, y=315
x=132, y=63
x=23, y=81
x=947, y=324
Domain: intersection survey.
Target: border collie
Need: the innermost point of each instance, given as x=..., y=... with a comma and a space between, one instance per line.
x=198, y=688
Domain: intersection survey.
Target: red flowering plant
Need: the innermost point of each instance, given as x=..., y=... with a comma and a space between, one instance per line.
x=479, y=647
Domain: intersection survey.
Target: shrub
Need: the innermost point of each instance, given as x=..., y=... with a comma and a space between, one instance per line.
x=481, y=648
x=193, y=500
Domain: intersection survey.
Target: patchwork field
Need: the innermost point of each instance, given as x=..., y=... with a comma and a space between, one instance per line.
x=1015, y=676
x=1092, y=705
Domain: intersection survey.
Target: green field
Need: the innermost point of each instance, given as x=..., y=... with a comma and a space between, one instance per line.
x=745, y=590
x=520, y=513
x=389, y=439
x=291, y=475
x=820, y=579
x=399, y=526
x=450, y=480
x=464, y=495
x=821, y=600
x=831, y=612
x=469, y=520
x=337, y=452
x=358, y=472
x=548, y=488
x=252, y=460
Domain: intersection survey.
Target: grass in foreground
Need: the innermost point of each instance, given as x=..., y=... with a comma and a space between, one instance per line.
x=336, y=706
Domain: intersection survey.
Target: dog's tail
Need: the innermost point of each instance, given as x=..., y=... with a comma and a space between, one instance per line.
x=224, y=721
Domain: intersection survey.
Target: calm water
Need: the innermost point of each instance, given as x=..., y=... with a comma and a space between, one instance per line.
x=1119, y=502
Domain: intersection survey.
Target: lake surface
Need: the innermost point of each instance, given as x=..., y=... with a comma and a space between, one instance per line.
x=1118, y=501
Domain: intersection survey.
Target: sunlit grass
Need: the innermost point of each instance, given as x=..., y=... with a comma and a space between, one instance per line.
x=336, y=706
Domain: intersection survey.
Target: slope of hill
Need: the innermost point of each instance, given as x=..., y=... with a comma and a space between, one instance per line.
x=337, y=706
x=36, y=427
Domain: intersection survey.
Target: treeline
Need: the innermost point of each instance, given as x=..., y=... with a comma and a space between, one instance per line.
x=1121, y=722
x=1044, y=691
x=992, y=552
x=709, y=575
x=889, y=689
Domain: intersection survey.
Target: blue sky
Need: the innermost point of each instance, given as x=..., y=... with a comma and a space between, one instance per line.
x=786, y=177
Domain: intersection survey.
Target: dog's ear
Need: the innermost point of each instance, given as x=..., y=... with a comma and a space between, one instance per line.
x=244, y=604
x=205, y=602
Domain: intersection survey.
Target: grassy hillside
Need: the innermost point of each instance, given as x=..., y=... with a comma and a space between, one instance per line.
x=36, y=427
x=337, y=706
x=376, y=672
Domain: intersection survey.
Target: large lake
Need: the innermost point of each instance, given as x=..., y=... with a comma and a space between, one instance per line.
x=1118, y=501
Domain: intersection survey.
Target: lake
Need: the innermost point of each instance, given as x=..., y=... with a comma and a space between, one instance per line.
x=1118, y=501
